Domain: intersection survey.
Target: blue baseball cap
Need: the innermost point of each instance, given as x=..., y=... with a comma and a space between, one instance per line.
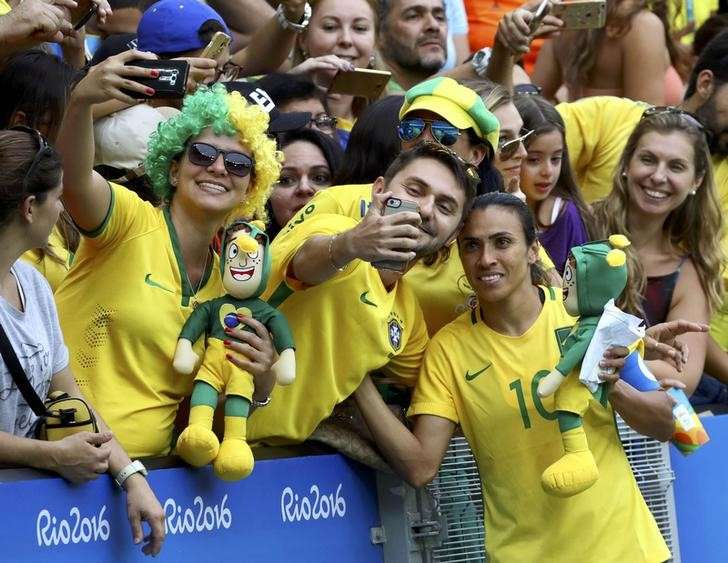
x=171, y=26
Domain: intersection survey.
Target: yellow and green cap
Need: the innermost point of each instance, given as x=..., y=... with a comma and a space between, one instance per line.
x=455, y=103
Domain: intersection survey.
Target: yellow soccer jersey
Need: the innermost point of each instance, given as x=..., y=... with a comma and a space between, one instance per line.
x=54, y=271
x=597, y=129
x=486, y=382
x=122, y=307
x=343, y=328
x=442, y=289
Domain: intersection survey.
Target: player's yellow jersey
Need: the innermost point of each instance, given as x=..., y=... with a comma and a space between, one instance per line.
x=344, y=328
x=53, y=270
x=486, y=382
x=122, y=307
x=442, y=289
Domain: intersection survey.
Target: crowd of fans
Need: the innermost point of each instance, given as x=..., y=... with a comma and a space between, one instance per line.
x=515, y=142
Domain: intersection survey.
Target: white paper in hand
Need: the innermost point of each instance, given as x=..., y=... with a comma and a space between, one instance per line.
x=615, y=328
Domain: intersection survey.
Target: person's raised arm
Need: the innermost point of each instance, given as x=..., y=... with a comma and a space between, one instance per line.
x=142, y=504
x=376, y=237
x=547, y=73
x=86, y=195
x=644, y=63
x=415, y=456
x=270, y=45
x=244, y=17
x=33, y=22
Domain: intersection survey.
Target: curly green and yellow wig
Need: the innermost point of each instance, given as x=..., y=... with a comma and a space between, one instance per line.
x=227, y=114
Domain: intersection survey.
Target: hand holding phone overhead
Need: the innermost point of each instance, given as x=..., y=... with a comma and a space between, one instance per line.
x=131, y=75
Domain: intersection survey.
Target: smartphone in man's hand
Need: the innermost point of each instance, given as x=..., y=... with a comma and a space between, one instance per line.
x=395, y=205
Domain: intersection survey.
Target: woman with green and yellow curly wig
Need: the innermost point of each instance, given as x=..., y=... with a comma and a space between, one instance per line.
x=140, y=270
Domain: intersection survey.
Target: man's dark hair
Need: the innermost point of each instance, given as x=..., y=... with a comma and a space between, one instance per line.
x=465, y=173
x=284, y=88
x=713, y=58
x=385, y=6
x=705, y=33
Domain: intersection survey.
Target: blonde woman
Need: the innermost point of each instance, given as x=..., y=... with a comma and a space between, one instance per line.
x=341, y=36
x=665, y=200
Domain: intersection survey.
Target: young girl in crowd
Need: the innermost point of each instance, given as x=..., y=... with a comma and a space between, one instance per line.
x=481, y=372
x=140, y=270
x=665, y=201
x=562, y=217
x=311, y=159
x=340, y=36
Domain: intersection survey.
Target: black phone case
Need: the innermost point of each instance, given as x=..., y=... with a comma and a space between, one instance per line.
x=170, y=83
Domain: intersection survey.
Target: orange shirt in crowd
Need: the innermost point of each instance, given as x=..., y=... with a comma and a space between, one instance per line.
x=483, y=18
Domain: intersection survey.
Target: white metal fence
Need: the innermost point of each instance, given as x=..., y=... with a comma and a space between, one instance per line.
x=457, y=494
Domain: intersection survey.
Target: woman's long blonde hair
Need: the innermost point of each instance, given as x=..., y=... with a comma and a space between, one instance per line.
x=695, y=228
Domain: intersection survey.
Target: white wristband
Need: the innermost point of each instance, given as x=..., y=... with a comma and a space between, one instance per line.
x=135, y=466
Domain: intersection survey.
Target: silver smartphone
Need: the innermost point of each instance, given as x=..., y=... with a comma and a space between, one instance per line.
x=395, y=205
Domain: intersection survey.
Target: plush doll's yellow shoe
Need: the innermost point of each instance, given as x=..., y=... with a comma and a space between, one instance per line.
x=572, y=474
x=198, y=445
x=234, y=460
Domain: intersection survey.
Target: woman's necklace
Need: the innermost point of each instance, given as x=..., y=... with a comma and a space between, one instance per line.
x=193, y=297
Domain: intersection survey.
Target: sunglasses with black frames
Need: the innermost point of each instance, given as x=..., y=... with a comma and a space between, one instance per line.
x=236, y=163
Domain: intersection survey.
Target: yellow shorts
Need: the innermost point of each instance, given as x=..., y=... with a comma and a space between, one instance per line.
x=573, y=396
x=216, y=370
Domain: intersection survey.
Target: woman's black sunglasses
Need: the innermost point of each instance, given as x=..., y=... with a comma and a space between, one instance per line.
x=236, y=163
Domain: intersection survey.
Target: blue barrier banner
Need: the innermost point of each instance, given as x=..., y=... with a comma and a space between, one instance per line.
x=701, y=496
x=315, y=508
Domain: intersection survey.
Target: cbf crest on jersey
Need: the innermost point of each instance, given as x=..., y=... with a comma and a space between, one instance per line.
x=394, y=329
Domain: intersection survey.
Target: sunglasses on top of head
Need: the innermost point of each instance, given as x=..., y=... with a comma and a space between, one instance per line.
x=690, y=118
x=236, y=163
x=445, y=133
x=43, y=149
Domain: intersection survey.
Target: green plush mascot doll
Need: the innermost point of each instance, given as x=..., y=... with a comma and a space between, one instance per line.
x=594, y=274
x=245, y=262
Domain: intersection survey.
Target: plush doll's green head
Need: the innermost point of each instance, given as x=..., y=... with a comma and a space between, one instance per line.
x=595, y=273
x=245, y=259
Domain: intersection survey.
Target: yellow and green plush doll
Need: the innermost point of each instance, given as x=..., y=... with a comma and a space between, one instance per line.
x=245, y=263
x=594, y=274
